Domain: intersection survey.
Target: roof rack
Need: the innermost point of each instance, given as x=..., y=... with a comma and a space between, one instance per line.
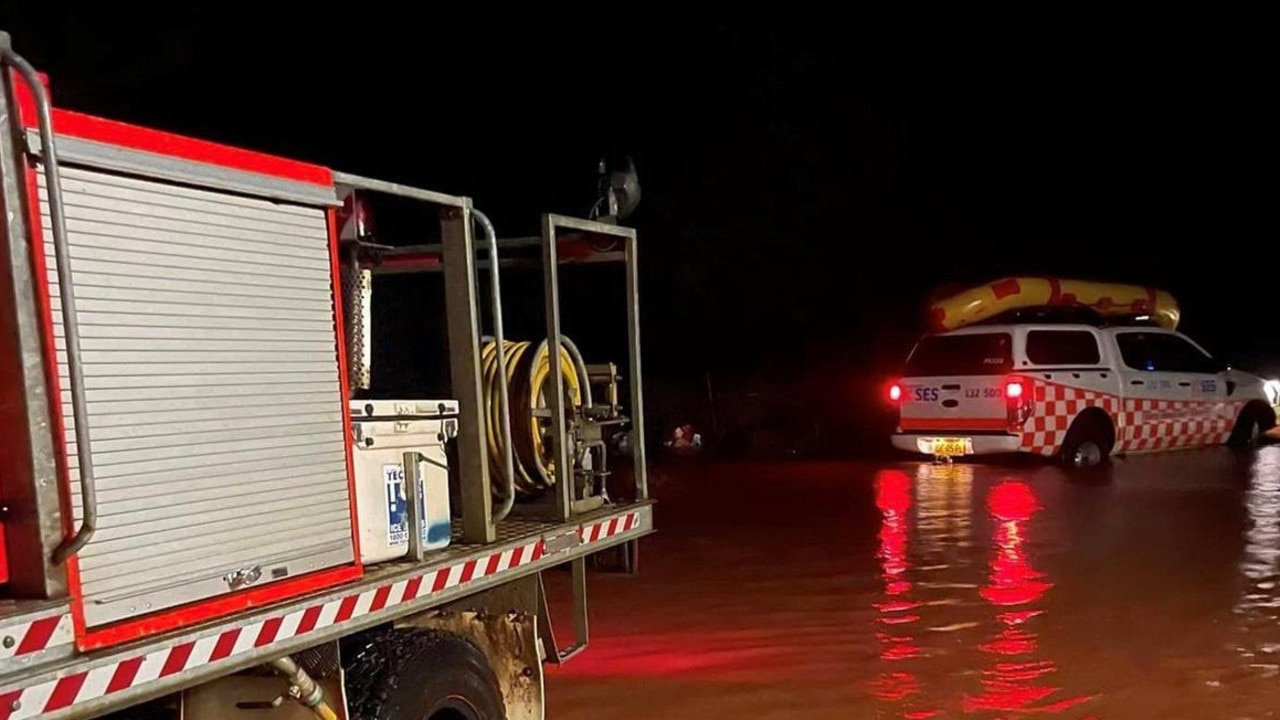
x=1067, y=315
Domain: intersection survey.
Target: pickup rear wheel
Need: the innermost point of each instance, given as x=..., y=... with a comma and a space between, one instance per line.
x=1086, y=453
x=421, y=675
x=1089, y=441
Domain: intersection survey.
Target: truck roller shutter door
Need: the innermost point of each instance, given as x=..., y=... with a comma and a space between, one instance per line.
x=211, y=368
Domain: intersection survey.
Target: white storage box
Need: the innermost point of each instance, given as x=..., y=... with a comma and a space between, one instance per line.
x=382, y=432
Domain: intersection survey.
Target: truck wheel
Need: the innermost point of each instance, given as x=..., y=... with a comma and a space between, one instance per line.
x=420, y=675
x=1089, y=441
x=1254, y=420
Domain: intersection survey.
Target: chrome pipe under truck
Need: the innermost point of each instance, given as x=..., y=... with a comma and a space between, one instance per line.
x=217, y=505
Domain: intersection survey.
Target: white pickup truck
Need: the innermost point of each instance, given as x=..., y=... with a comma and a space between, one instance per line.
x=1076, y=391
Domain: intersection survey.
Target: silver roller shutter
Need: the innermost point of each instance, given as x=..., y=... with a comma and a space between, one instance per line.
x=210, y=363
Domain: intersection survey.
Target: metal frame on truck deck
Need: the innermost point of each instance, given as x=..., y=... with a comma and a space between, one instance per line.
x=553, y=247
x=551, y=224
x=51, y=665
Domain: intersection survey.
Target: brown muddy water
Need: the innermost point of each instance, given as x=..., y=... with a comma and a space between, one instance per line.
x=918, y=591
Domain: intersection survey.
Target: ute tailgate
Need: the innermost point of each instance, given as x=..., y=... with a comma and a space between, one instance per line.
x=940, y=403
x=956, y=382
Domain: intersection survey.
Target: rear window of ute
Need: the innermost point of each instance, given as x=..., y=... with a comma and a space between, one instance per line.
x=968, y=354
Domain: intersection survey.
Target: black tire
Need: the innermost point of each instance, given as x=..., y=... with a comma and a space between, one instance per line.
x=1089, y=442
x=420, y=675
x=1254, y=421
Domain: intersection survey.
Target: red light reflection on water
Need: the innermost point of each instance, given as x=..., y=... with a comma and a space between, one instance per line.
x=893, y=498
x=1012, y=683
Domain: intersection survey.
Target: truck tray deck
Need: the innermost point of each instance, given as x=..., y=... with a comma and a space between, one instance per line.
x=50, y=679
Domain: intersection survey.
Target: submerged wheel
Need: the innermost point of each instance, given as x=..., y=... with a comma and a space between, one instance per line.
x=1254, y=421
x=420, y=675
x=1089, y=441
x=1086, y=453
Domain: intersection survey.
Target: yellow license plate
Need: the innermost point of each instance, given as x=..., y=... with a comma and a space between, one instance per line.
x=951, y=447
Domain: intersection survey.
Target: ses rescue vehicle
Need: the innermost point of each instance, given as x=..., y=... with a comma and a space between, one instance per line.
x=1019, y=376
x=204, y=502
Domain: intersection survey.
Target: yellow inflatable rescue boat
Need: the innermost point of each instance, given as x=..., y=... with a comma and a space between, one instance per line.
x=1014, y=293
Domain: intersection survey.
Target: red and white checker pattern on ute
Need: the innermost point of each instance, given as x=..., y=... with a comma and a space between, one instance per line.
x=1054, y=408
x=1142, y=425
x=1148, y=425
x=85, y=685
x=35, y=635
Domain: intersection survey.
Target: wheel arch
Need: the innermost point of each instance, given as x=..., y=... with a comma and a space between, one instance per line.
x=502, y=623
x=1259, y=409
x=1254, y=410
x=1093, y=418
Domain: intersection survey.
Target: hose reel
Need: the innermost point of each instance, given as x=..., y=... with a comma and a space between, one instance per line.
x=529, y=387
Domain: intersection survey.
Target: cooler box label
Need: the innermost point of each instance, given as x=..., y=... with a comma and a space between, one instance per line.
x=398, y=506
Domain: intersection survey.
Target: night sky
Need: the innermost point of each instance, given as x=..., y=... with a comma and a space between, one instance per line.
x=806, y=183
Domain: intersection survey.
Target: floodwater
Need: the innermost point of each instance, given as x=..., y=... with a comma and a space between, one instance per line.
x=913, y=590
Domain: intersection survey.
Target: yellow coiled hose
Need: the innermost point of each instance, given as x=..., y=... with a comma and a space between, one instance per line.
x=529, y=384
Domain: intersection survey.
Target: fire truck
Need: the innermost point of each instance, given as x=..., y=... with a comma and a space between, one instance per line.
x=210, y=509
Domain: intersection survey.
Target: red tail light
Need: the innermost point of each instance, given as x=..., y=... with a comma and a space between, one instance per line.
x=1018, y=404
x=895, y=393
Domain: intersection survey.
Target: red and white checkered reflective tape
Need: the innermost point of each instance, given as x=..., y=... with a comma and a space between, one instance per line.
x=1141, y=424
x=34, y=635
x=83, y=686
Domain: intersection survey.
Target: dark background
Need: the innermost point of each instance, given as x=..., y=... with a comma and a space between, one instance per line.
x=807, y=181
